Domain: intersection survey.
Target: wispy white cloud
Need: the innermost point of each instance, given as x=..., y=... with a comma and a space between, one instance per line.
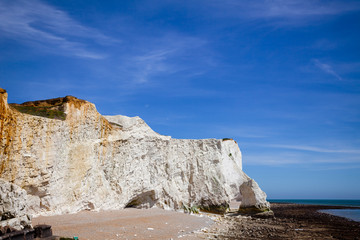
x=166, y=55
x=313, y=149
x=49, y=29
x=271, y=160
x=243, y=132
x=301, y=8
x=324, y=44
x=284, y=12
x=278, y=158
x=306, y=155
x=339, y=159
x=152, y=63
x=349, y=67
x=326, y=68
x=336, y=167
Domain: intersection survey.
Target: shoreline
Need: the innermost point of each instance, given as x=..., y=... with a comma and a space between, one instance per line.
x=291, y=221
x=320, y=202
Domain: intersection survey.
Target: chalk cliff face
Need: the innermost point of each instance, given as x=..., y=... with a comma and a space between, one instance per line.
x=84, y=160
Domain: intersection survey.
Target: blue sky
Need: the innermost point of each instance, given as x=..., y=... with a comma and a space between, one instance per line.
x=280, y=77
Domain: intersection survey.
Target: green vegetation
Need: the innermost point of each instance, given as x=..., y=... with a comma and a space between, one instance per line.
x=253, y=210
x=227, y=139
x=218, y=209
x=192, y=209
x=41, y=111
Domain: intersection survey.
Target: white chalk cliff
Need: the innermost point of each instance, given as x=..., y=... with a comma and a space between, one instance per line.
x=89, y=161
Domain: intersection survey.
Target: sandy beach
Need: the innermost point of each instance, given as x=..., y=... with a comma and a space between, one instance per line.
x=129, y=223
x=292, y=221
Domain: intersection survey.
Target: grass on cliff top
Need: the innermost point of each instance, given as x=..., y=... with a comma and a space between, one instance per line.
x=41, y=111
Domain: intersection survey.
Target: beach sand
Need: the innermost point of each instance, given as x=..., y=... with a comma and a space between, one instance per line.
x=129, y=223
x=292, y=221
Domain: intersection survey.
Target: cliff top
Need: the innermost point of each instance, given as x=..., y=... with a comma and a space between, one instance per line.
x=51, y=108
x=53, y=102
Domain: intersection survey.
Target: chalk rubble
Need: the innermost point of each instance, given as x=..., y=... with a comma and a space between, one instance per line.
x=253, y=197
x=13, y=208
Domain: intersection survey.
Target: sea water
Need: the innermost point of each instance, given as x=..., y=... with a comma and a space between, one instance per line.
x=353, y=214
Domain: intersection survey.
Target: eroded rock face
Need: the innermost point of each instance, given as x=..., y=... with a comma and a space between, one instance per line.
x=13, y=208
x=253, y=198
x=87, y=161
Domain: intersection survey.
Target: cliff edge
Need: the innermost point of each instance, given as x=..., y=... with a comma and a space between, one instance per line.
x=68, y=158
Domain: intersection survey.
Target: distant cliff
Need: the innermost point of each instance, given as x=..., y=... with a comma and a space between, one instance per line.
x=68, y=157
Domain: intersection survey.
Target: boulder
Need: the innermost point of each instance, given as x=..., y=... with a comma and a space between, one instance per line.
x=13, y=208
x=253, y=198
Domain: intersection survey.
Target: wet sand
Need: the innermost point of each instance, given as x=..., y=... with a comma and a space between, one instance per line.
x=292, y=221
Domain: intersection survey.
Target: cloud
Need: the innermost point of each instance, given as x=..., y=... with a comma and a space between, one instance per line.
x=242, y=132
x=167, y=55
x=152, y=63
x=336, y=168
x=307, y=156
x=49, y=29
x=313, y=149
x=270, y=160
x=326, y=68
x=284, y=12
x=349, y=67
x=324, y=45
x=300, y=8
x=279, y=158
